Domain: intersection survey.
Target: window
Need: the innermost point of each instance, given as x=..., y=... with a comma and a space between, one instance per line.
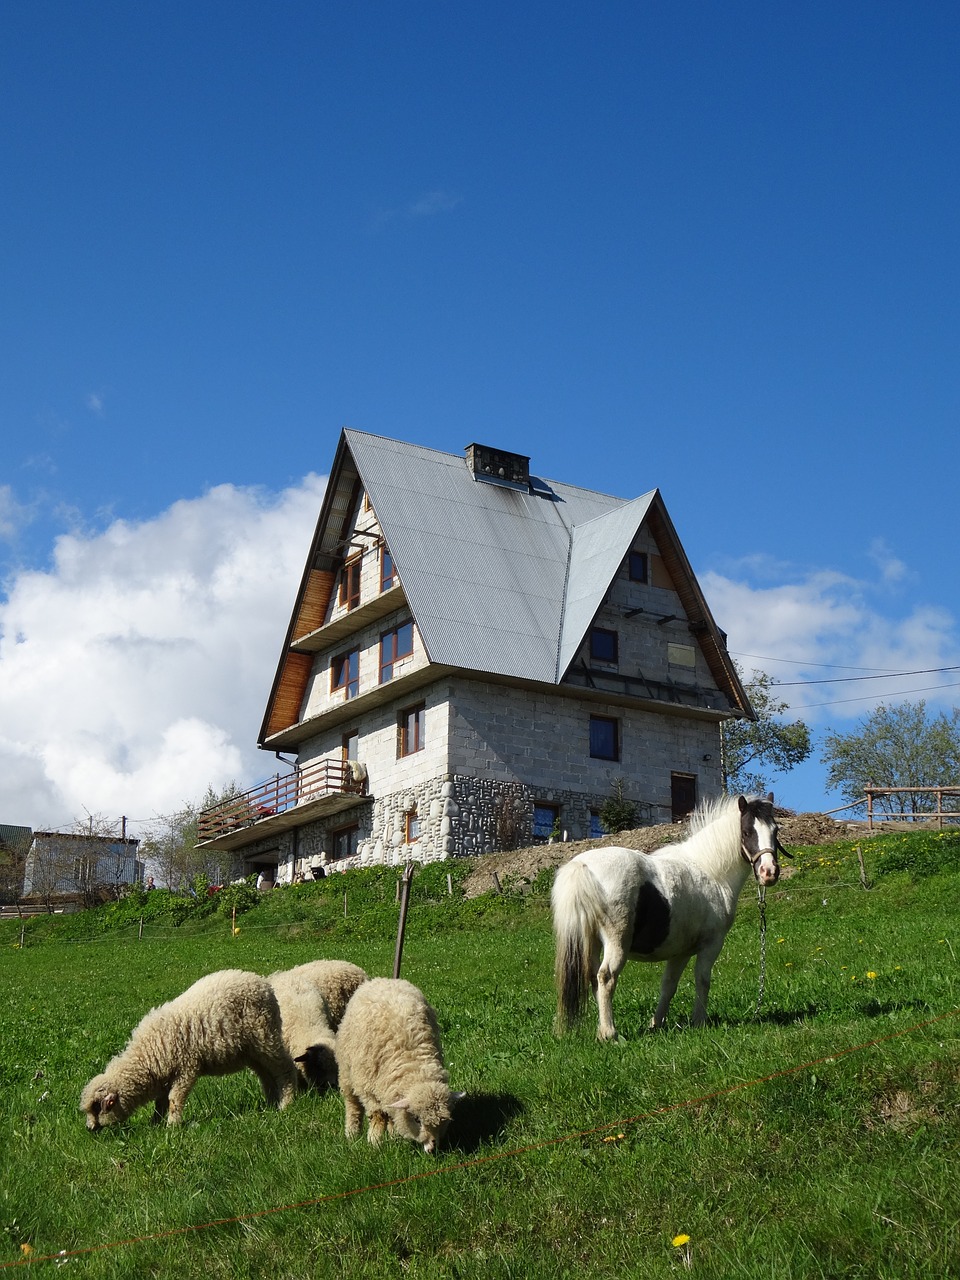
x=386, y=568
x=638, y=567
x=546, y=821
x=350, y=583
x=345, y=673
x=412, y=827
x=604, y=645
x=394, y=645
x=682, y=655
x=604, y=738
x=345, y=842
x=349, y=744
x=596, y=825
x=412, y=730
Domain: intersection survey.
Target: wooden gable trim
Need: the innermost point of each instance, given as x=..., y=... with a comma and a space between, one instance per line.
x=313, y=603
x=290, y=689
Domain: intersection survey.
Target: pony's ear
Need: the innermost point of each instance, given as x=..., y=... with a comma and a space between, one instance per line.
x=742, y=802
x=770, y=796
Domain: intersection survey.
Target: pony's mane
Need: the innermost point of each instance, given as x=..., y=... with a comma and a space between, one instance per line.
x=714, y=833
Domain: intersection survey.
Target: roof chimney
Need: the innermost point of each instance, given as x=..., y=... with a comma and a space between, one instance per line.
x=496, y=466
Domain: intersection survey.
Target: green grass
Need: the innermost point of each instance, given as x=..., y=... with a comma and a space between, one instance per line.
x=817, y=1140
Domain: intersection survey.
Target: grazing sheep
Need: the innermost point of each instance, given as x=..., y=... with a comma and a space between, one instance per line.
x=391, y=1066
x=225, y=1022
x=312, y=998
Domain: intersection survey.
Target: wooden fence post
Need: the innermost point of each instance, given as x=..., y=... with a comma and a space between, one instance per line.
x=402, y=924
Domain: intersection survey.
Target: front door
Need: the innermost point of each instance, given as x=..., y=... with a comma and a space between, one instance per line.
x=683, y=795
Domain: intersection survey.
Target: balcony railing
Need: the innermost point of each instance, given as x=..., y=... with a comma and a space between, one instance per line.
x=281, y=793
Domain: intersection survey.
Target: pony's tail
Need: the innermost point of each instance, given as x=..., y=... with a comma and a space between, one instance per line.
x=579, y=908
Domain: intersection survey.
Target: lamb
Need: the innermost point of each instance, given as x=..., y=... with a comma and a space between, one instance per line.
x=227, y=1021
x=312, y=998
x=391, y=1066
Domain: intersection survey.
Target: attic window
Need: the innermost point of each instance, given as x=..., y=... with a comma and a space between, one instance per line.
x=495, y=466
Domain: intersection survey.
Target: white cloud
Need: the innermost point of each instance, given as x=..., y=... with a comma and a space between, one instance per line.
x=824, y=626
x=135, y=672
x=13, y=515
x=94, y=402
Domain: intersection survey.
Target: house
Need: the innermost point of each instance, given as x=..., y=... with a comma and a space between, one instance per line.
x=477, y=657
x=14, y=848
x=79, y=866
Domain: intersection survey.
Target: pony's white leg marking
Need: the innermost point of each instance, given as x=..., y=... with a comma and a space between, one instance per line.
x=671, y=977
x=613, y=961
x=701, y=976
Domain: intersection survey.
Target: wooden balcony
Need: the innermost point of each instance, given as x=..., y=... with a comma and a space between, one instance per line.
x=281, y=803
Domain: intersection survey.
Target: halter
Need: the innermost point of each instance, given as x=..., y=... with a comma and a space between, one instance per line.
x=759, y=854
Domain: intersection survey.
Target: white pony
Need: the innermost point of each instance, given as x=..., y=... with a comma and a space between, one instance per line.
x=614, y=904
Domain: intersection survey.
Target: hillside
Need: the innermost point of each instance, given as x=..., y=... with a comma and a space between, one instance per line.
x=518, y=865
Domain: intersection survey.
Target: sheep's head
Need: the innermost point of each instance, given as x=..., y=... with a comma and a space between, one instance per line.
x=317, y=1066
x=103, y=1103
x=423, y=1115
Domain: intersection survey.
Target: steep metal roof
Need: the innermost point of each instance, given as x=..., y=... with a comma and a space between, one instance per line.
x=501, y=577
x=484, y=567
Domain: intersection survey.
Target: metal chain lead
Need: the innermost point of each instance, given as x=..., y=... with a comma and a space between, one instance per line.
x=762, y=907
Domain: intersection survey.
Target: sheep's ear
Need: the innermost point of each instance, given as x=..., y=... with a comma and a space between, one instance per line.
x=109, y=1101
x=302, y=1057
x=400, y=1105
x=457, y=1097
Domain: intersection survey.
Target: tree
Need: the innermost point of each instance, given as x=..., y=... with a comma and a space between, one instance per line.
x=752, y=749
x=172, y=847
x=896, y=746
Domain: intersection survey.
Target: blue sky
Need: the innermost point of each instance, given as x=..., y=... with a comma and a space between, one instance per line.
x=707, y=248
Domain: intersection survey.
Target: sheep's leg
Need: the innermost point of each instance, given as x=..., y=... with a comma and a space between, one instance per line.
x=160, y=1108
x=278, y=1079
x=354, y=1113
x=671, y=977
x=376, y=1126
x=179, y=1092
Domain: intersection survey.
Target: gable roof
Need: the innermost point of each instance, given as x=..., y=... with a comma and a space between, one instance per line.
x=500, y=578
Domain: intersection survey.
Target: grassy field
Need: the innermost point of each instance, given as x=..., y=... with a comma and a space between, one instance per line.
x=818, y=1139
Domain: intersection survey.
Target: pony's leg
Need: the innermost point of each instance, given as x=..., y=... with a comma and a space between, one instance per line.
x=701, y=976
x=614, y=958
x=672, y=971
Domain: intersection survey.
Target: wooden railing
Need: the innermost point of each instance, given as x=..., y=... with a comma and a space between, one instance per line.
x=279, y=794
x=913, y=815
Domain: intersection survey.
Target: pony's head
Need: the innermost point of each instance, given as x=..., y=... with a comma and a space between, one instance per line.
x=758, y=837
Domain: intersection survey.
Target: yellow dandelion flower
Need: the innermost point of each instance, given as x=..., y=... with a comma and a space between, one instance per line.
x=26, y=1249
x=871, y=974
x=680, y=1241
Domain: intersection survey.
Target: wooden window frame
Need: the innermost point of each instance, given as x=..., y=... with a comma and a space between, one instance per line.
x=340, y=674
x=411, y=827
x=638, y=566
x=390, y=652
x=351, y=834
x=388, y=570
x=606, y=721
x=605, y=632
x=543, y=807
x=350, y=574
x=417, y=717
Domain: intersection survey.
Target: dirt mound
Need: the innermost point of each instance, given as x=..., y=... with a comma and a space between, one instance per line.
x=524, y=865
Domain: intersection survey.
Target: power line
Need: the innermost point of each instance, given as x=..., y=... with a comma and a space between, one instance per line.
x=808, y=706
x=798, y=662
x=895, y=675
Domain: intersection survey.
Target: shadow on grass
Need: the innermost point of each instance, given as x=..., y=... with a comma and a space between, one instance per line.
x=480, y=1118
